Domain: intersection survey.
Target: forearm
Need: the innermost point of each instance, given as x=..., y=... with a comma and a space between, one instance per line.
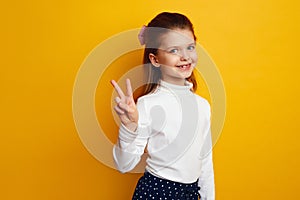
x=129, y=148
x=206, y=180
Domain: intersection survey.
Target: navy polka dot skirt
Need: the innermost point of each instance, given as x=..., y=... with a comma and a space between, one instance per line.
x=152, y=187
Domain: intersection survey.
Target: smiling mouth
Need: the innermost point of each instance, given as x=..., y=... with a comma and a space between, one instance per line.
x=184, y=67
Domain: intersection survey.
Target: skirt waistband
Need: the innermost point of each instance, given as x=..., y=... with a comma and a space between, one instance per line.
x=186, y=188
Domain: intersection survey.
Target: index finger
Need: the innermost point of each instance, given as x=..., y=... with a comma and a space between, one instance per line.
x=117, y=88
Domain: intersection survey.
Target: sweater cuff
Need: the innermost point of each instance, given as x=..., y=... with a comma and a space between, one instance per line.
x=127, y=135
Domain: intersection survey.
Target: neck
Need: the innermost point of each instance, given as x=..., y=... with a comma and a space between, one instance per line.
x=178, y=89
x=178, y=81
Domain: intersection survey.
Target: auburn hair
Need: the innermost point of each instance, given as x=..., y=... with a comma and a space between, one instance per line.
x=159, y=25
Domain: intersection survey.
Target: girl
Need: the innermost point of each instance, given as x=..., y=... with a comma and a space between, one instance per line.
x=169, y=121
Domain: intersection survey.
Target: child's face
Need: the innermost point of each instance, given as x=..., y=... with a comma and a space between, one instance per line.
x=177, y=56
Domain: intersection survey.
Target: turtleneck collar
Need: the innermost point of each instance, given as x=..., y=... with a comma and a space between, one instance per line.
x=178, y=89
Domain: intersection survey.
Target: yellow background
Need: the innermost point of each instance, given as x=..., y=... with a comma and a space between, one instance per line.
x=43, y=43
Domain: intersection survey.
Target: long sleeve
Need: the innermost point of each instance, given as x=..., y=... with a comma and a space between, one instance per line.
x=130, y=145
x=206, y=180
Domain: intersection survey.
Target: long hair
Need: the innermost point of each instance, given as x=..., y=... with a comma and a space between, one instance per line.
x=159, y=25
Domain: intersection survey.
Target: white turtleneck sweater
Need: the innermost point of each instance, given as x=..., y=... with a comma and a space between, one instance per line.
x=174, y=127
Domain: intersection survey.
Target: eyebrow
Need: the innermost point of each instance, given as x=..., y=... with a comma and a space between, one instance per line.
x=193, y=43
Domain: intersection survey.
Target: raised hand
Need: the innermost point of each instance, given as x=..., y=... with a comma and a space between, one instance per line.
x=125, y=106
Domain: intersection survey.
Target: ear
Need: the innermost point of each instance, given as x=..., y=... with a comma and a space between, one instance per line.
x=153, y=59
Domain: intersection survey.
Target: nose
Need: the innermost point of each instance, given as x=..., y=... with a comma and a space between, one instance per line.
x=185, y=55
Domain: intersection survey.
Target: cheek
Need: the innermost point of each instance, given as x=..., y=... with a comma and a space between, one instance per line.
x=170, y=60
x=194, y=57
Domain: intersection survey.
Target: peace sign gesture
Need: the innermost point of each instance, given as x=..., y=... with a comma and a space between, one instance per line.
x=126, y=108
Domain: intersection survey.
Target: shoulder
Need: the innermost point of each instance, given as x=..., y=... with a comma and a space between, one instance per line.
x=203, y=103
x=202, y=100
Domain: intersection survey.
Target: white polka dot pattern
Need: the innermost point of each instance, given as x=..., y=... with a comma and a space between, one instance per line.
x=152, y=187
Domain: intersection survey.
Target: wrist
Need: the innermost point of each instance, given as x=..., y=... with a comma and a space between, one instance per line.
x=131, y=126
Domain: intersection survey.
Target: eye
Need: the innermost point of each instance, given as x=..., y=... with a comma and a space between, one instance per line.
x=173, y=51
x=191, y=47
